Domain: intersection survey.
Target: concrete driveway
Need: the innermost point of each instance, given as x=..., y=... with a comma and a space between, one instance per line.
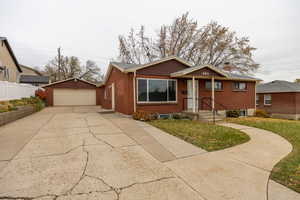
x=77, y=153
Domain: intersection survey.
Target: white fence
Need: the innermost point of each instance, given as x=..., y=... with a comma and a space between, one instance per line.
x=9, y=91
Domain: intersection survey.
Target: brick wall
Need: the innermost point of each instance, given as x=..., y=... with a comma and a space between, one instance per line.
x=282, y=103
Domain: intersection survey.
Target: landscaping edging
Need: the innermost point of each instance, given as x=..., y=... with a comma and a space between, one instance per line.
x=11, y=116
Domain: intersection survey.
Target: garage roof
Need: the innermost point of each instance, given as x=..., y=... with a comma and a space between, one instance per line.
x=75, y=79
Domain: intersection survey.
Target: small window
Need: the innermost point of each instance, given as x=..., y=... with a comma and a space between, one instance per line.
x=218, y=85
x=268, y=99
x=239, y=86
x=243, y=113
x=257, y=100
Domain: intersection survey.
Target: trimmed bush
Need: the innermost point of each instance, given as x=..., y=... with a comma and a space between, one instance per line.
x=176, y=116
x=233, y=113
x=144, y=116
x=261, y=113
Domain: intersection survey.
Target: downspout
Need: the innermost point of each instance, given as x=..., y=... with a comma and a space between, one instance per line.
x=213, y=93
x=134, y=91
x=194, y=98
x=255, y=96
x=213, y=98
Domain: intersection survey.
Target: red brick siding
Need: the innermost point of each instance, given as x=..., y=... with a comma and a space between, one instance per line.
x=71, y=84
x=298, y=103
x=122, y=92
x=282, y=103
x=162, y=69
x=228, y=97
x=124, y=101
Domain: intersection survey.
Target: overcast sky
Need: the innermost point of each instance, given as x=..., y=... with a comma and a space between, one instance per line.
x=89, y=29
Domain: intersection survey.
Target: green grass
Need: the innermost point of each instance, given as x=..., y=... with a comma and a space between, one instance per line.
x=287, y=171
x=205, y=135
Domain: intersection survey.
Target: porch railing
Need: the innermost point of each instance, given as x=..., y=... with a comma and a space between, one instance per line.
x=205, y=101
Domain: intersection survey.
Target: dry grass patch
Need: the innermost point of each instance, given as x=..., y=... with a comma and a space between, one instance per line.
x=208, y=136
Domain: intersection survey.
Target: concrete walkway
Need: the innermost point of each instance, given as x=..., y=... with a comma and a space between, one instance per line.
x=76, y=153
x=240, y=172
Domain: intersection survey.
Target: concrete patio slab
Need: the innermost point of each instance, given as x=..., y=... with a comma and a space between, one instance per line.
x=92, y=196
x=53, y=133
x=117, y=140
x=77, y=153
x=175, y=145
x=216, y=177
x=105, y=130
x=121, y=167
x=279, y=192
x=54, y=146
x=141, y=137
x=3, y=164
x=53, y=175
x=165, y=189
x=15, y=135
x=90, y=184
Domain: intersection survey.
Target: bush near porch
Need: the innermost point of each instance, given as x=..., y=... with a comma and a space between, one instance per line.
x=287, y=171
x=208, y=136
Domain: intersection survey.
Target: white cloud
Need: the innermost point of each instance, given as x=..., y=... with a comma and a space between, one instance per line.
x=89, y=29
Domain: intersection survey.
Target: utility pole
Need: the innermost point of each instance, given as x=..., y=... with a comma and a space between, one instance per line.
x=59, y=64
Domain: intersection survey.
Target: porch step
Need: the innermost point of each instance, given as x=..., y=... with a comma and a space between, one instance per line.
x=205, y=115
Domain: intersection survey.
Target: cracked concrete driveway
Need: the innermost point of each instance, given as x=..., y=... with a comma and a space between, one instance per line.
x=77, y=153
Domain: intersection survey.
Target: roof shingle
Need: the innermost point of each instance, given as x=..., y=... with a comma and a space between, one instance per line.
x=278, y=86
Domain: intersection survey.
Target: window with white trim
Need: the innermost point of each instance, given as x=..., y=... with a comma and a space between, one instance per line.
x=239, y=86
x=268, y=99
x=218, y=85
x=156, y=90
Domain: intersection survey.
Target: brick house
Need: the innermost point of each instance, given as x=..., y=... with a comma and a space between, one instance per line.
x=279, y=98
x=173, y=85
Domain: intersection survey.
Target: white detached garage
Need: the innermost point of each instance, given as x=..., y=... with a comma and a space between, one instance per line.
x=71, y=92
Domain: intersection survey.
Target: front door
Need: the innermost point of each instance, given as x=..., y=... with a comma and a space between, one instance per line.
x=190, y=94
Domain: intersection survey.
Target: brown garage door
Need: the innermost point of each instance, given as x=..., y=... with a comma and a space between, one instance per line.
x=74, y=97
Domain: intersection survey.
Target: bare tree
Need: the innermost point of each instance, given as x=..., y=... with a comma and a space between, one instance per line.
x=71, y=67
x=210, y=44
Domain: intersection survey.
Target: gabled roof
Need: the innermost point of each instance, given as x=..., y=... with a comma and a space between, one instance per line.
x=192, y=69
x=278, y=86
x=69, y=80
x=126, y=67
x=29, y=68
x=215, y=69
x=34, y=79
x=3, y=39
x=132, y=69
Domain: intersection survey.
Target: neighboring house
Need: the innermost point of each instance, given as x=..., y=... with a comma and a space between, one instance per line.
x=279, y=98
x=9, y=66
x=33, y=76
x=173, y=85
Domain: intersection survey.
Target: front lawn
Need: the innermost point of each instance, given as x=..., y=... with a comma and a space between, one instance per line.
x=287, y=171
x=207, y=136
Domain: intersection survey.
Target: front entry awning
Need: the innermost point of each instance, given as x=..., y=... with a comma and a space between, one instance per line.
x=204, y=71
